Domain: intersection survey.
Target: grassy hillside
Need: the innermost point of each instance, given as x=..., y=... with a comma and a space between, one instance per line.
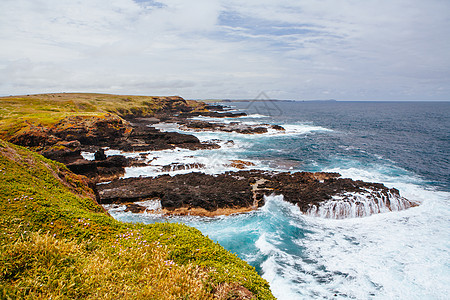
x=56, y=242
x=19, y=113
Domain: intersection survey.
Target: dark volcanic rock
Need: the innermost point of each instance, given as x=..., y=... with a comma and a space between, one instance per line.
x=195, y=190
x=100, y=154
x=245, y=189
x=278, y=127
x=215, y=107
x=213, y=114
x=230, y=127
x=63, y=152
x=103, y=170
x=92, y=130
x=145, y=138
x=135, y=208
x=83, y=167
x=181, y=166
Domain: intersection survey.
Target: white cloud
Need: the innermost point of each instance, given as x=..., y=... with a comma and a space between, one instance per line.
x=370, y=49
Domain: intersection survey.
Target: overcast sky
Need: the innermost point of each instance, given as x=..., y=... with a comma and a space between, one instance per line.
x=289, y=49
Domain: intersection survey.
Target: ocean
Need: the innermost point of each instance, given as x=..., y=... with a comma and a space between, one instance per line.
x=394, y=255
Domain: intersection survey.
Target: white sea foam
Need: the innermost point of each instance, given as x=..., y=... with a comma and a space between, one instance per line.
x=393, y=255
x=226, y=120
x=254, y=116
x=398, y=255
x=88, y=155
x=150, y=205
x=304, y=128
x=182, y=161
x=115, y=208
x=290, y=129
x=361, y=204
x=402, y=255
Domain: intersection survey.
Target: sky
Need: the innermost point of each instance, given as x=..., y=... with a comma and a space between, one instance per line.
x=228, y=49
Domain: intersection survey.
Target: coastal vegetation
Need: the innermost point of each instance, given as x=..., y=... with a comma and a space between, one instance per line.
x=56, y=242
x=20, y=113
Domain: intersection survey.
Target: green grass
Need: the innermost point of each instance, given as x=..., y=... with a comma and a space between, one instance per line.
x=57, y=242
x=19, y=113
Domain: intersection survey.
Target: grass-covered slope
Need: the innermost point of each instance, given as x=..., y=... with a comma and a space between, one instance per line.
x=20, y=113
x=56, y=242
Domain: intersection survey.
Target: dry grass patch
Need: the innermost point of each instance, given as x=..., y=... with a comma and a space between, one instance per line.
x=43, y=267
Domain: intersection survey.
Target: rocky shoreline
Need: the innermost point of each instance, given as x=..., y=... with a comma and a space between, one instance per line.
x=195, y=193
x=242, y=191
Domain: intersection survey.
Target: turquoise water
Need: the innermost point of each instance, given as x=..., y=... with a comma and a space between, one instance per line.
x=397, y=255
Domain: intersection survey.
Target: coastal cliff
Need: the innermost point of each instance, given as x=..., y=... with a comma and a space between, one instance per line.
x=89, y=141
x=74, y=123
x=57, y=241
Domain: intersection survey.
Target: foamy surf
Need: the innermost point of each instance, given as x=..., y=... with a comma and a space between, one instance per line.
x=361, y=204
x=290, y=129
x=397, y=255
x=389, y=255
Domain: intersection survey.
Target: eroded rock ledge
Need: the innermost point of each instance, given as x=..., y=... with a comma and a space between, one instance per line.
x=195, y=125
x=324, y=194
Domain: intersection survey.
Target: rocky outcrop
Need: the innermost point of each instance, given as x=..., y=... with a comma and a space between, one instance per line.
x=240, y=164
x=65, y=140
x=101, y=131
x=63, y=151
x=181, y=166
x=213, y=114
x=193, y=190
x=185, y=194
x=318, y=194
x=145, y=138
x=237, y=127
x=112, y=167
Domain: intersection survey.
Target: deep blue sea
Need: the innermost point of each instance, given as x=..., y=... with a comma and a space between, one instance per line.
x=395, y=255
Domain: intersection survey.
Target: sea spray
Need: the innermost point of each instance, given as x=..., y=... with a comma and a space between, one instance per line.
x=354, y=205
x=394, y=255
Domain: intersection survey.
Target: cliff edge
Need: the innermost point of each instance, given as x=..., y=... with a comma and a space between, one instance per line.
x=57, y=242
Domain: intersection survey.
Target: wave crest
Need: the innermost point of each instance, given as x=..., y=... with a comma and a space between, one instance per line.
x=357, y=205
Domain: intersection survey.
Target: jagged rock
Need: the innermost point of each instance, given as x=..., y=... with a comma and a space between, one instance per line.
x=278, y=127
x=215, y=107
x=246, y=189
x=84, y=167
x=181, y=166
x=111, y=168
x=241, y=164
x=229, y=127
x=100, y=154
x=193, y=190
x=135, y=208
x=63, y=151
x=213, y=114
x=92, y=130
